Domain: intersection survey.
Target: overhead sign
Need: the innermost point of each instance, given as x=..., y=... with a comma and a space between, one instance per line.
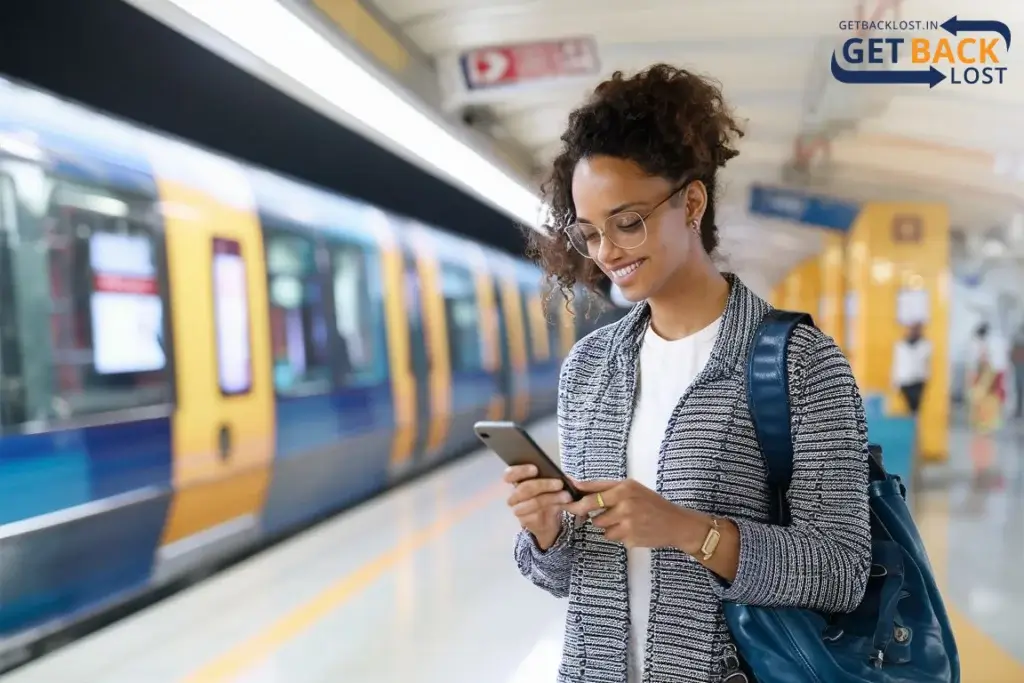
x=802, y=207
x=506, y=65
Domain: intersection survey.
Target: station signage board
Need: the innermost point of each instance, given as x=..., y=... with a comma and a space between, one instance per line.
x=499, y=66
x=802, y=207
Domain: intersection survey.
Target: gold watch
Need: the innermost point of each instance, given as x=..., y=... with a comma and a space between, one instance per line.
x=711, y=540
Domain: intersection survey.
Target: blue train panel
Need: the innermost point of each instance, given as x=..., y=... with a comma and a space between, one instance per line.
x=84, y=523
x=331, y=451
x=544, y=377
x=130, y=456
x=471, y=399
x=42, y=473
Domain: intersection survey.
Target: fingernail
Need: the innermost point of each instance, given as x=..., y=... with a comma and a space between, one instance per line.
x=564, y=497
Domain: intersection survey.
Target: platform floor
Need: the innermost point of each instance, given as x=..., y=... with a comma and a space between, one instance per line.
x=420, y=586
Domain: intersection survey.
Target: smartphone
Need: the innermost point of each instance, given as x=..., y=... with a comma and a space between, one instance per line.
x=513, y=445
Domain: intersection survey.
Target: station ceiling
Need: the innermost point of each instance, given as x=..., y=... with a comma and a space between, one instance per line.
x=954, y=143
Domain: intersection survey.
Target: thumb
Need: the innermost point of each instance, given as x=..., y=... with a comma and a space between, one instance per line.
x=596, y=486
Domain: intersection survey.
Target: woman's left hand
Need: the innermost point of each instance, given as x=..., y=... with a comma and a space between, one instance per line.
x=636, y=516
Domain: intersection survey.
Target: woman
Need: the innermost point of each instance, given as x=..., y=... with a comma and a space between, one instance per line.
x=986, y=398
x=652, y=414
x=911, y=366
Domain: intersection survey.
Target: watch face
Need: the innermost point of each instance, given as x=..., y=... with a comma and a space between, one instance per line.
x=710, y=543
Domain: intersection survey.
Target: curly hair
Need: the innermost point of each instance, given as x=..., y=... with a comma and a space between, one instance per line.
x=670, y=122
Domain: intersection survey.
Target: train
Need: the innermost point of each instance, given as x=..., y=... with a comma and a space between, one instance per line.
x=198, y=355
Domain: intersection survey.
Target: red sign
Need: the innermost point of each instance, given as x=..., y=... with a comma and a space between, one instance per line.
x=505, y=65
x=124, y=284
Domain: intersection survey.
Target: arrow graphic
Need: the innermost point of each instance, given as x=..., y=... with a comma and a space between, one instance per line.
x=954, y=25
x=907, y=77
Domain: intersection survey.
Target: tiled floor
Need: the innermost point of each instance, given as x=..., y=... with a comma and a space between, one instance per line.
x=972, y=517
x=421, y=586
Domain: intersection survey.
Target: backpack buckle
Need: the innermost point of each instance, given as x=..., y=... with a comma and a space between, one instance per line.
x=731, y=671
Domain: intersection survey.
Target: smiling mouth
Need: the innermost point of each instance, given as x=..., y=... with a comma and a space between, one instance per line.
x=626, y=270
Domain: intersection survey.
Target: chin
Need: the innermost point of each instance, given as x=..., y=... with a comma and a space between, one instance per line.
x=633, y=293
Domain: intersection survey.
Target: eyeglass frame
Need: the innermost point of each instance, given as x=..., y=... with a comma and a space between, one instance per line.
x=643, y=221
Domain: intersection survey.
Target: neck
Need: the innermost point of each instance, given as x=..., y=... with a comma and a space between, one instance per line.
x=690, y=303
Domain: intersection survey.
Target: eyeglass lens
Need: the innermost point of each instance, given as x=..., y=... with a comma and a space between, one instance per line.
x=625, y=230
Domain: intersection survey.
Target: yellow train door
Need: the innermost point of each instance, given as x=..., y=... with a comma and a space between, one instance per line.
x=490, y=344
x=223, y=427
x=435, y=335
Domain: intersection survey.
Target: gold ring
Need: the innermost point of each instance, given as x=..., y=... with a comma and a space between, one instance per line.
x=600, y=501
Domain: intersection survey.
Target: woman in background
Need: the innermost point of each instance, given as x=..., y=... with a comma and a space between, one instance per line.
x=986, y=398
x=911, y=366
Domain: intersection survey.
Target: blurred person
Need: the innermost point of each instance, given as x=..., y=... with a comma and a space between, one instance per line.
x=911, y=366
x=987, y=378
x=986, y=398
x=652, y=413
x=1017, y=358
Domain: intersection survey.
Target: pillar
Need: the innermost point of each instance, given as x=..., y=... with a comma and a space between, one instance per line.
x=832, y=306
x=897, y=265
x=801, y=288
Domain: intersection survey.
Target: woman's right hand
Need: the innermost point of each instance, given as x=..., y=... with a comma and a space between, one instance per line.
x=537, y=503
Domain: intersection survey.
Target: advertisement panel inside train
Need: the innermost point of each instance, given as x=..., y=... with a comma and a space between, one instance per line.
x=127, y=314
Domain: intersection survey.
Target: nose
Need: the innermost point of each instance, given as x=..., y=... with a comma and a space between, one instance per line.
x=607, y=252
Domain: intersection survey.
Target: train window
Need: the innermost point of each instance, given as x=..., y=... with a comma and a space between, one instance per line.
x=84, y=302
x=358, y=315
x=231, y=317
x=300, y=345
x=462, y=315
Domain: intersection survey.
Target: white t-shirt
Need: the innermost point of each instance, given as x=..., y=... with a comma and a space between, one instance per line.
x=911, y=363
x=667, y=369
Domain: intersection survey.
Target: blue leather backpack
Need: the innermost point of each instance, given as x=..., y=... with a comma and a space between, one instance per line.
x=900, y=632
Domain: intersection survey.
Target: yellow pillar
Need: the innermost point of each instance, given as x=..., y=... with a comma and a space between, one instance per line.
x=801, y=289
x=832, y=266
x=897, y=266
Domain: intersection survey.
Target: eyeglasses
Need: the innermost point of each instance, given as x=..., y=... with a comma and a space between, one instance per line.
x=626, y=230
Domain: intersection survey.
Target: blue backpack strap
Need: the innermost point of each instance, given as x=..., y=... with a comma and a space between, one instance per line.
x=768, y=400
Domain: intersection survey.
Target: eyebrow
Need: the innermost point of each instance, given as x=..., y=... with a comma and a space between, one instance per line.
x=617, y=209
x=623, y=207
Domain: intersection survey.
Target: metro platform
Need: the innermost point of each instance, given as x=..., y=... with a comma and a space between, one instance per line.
x=420, y=585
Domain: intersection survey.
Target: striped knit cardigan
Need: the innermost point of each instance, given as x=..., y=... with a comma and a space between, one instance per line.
x=709, y=461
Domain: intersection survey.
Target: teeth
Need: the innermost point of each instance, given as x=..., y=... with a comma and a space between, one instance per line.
x=623, y=272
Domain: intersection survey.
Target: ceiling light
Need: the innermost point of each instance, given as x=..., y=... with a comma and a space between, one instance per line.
x=271, y=33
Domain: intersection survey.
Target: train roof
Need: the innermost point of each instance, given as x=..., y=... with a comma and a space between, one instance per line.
x=95, y=147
